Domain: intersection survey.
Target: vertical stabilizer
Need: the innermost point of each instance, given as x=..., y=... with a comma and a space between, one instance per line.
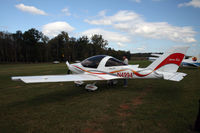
x=170, y=60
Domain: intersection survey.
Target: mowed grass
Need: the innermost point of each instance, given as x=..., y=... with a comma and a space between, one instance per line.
x=146, y=105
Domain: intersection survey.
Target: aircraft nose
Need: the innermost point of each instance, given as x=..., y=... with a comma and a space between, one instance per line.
x=74, y=69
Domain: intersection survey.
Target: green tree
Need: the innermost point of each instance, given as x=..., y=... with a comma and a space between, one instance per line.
x=99, y=44
x=31, y=39
x=34, y=46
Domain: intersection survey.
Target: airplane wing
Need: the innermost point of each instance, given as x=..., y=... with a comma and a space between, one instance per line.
x=64, y=78
x=190, y=64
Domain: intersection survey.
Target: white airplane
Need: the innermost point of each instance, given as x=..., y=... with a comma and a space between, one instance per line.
x=190, y=62
x=103, y=67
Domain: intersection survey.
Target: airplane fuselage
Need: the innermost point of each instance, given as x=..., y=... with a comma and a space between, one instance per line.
x=128, y=71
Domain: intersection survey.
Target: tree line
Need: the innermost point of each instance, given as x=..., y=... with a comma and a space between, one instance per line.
x=33, y=46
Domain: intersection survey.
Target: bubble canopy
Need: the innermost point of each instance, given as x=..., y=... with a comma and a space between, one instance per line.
x=94, y=61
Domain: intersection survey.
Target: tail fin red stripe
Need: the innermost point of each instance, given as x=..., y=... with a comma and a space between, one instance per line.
x=175, y=58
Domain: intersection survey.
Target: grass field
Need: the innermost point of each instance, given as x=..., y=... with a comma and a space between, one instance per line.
x=145, y=106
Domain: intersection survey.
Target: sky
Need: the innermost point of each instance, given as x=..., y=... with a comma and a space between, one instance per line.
x=133, y=25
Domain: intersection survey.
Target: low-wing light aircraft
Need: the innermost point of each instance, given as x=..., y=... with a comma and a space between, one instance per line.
x=191, y=62
x=103, y=67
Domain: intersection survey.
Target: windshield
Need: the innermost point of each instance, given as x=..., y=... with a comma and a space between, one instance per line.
x=114, y=62
x=92, y=62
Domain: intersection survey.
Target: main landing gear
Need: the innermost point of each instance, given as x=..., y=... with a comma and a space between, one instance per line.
x=89, y=87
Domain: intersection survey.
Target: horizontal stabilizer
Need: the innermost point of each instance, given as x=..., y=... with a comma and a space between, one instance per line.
x=134, y=66
x=177, y=76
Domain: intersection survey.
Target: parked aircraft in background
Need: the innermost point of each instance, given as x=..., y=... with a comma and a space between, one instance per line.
x=103, y=67
x=191, y=62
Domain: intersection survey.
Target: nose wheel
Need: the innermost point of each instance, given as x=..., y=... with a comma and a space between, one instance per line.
x=89, y=87
x=78, y=83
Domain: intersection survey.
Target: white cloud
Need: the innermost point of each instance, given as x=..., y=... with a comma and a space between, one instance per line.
x=99, y=22
x=53, y=29
x=66, y=11
x=121, y=16
x=30, y=9
x=133, y=24
x=160, y=30
x=102, y=13
x=141, y=49
x=121, y=44
x=193, y=3
x=137, y=1
x=194, y=45
x=107, y=35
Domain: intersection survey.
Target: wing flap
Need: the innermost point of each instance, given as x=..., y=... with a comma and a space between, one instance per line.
x=63, y=78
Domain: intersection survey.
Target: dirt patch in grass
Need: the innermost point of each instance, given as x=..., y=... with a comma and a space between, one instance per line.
x=139, y=99
x=123, y=108
x=93, y=127
x=104, y=118
x=123, y=114
x=91, y=130
x=87, y=130
x=16, y=87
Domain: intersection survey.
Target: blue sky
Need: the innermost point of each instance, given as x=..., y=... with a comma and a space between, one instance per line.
x=134, y=25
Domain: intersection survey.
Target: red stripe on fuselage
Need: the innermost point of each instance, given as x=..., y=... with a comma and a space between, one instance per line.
x=86, y=70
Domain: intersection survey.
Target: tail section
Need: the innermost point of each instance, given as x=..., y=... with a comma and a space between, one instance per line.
x=170, y=60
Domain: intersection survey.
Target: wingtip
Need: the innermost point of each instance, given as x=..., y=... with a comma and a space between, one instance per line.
x=15, y=78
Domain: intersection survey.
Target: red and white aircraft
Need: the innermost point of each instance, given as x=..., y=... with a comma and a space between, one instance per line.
x=103, y=67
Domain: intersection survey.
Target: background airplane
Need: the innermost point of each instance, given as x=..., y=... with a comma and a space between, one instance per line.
x=103, y=67
x=191, y=62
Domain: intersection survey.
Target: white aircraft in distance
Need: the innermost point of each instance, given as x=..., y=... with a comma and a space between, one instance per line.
x=152, y=59
x=190, y=62
x=103, y=67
